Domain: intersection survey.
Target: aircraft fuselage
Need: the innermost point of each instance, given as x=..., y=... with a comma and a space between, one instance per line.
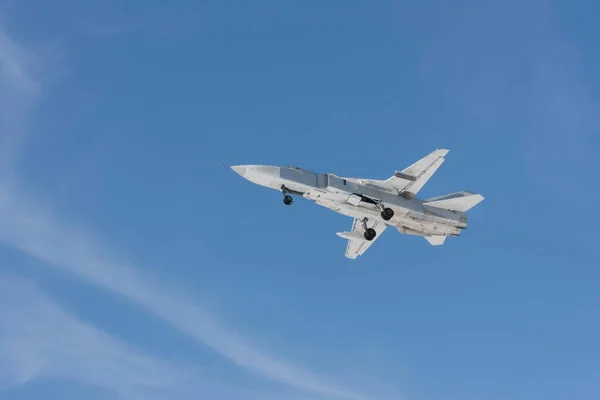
x=357, y=198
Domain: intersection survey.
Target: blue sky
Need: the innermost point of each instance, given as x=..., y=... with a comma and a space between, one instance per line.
x=133, y=266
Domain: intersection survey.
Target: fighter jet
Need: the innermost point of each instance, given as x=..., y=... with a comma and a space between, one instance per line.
x=374, y=204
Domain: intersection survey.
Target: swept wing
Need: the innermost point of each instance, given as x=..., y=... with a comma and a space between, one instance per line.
x=412, y=179
x=357, y=245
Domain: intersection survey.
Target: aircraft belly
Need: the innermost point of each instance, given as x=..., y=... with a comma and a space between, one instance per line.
x=426, y=228
x=349, y=210
x=406, y=214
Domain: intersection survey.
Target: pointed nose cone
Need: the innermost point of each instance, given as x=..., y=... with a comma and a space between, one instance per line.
x=240, y=169
x=264, y=175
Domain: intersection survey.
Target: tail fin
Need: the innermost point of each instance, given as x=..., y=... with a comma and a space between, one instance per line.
x=460, y=201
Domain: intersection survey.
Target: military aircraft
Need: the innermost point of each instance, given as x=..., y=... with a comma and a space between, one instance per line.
x=374, y=204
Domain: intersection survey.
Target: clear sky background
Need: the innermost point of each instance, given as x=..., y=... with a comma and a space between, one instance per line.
x=133, y=266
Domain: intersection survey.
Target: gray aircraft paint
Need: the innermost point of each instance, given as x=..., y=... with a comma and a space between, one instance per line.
x=366, y=199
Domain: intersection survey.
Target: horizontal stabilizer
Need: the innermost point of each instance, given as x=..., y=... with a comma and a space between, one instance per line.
x=435, y=240
x=460, y=201
x=351, y=235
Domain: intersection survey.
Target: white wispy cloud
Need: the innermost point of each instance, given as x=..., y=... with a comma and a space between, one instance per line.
x=25, y=227
x=28, y=226
x=41, y=339
x=18, y=92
